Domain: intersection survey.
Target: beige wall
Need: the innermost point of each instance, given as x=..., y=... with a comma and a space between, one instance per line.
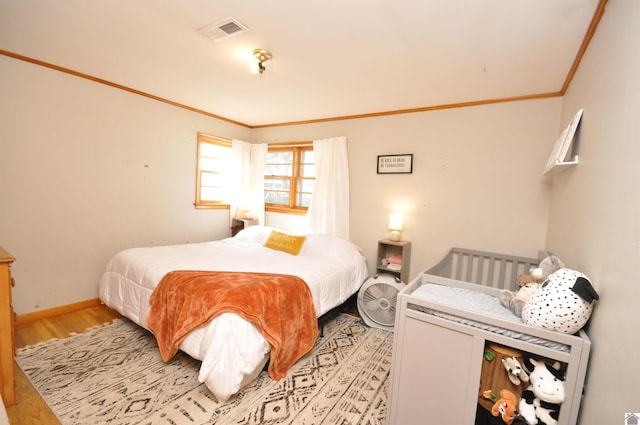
x=87, y=170
x=477, y=179
x=594, y=221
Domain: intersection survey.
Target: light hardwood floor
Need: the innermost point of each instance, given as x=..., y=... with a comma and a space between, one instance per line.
x=31, y=408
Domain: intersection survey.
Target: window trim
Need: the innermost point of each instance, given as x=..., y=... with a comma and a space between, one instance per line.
x=297, y=148
x=199, y=203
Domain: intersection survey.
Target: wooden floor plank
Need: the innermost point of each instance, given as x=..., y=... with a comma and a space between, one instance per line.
x=30, y=408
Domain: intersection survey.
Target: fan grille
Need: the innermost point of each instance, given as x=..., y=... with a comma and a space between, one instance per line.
x=220, y=30
x=379, y=301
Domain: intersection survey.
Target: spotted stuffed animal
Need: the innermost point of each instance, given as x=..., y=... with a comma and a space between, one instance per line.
x=563, y=302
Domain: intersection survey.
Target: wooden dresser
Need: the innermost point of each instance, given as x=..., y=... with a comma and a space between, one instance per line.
x=7, y=320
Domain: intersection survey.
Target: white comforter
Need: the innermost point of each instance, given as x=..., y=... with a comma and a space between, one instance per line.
x=232, y=350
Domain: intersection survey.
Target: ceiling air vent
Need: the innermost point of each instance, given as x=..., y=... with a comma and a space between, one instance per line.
x=223, y=29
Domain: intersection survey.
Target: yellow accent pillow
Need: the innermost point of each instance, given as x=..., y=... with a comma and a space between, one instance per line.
x=284, y=242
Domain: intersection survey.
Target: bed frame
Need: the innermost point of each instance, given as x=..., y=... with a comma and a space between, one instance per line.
x=437, y=362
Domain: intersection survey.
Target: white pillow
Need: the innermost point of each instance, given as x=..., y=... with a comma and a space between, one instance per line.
x=257, y=234
x=328, y=246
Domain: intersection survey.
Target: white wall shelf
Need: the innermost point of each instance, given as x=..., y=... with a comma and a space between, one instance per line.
x=561, y=166
x=557, y=161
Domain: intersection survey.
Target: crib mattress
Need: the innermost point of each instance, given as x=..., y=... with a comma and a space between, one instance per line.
x=479, y=303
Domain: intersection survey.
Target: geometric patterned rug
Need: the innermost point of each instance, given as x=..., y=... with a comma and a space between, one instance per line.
x=114, y=375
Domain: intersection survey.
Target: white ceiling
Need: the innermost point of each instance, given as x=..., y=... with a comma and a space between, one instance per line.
x=331, y=58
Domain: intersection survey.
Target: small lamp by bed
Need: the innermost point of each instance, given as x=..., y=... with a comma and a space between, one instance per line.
x=395, y=226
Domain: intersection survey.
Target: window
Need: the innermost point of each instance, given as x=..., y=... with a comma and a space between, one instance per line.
x=214, y=156
x=289, y=178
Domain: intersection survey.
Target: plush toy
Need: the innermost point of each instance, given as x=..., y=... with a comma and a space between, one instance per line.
x=506, y=406
x=523, y=279
x=515, y=372
x=540, y=402
x=563, y=303
x=546, y=268
x=528, y=284
x=515, y=301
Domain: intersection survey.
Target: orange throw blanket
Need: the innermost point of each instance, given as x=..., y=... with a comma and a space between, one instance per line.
x=279, y=305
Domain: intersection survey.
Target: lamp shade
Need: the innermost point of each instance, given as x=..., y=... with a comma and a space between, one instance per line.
x=395, y=221
x=395, y=225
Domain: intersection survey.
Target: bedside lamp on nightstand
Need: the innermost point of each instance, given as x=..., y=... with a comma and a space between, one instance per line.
x=395, y=225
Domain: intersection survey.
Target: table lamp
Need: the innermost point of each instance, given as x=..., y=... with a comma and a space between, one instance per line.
x=395, y=225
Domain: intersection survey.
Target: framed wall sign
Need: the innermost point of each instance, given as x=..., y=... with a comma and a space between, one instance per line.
x=395, y=164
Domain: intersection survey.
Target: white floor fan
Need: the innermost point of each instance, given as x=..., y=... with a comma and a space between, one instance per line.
x=377, y=300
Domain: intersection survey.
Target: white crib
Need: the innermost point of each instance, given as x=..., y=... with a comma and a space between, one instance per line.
x=444, y=323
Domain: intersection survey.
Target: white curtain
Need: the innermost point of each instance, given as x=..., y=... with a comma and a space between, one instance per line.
x=247, y=174
x=329, y=208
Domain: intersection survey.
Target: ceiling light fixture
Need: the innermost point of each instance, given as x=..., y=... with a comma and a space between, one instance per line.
x=262, y=59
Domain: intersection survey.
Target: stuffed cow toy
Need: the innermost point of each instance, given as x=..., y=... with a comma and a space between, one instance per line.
x=563, y=302
x=540, y=402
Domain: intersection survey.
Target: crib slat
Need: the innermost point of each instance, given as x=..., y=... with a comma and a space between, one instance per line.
x=502, y=272
x=459, y=265
x=481, y=260
x=492, y=262
x=514, y=275
x=470, y=269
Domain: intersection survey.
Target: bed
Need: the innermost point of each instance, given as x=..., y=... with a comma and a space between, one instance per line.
x=231, y=349
x=447, y=319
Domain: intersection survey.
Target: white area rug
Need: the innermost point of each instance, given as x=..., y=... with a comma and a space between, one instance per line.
x=114, y=375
